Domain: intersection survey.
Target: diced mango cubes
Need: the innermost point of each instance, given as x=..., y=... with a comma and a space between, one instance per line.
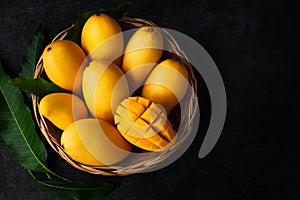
x=144, y=124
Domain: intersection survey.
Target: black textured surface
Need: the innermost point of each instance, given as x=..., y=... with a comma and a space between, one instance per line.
x=253, y=43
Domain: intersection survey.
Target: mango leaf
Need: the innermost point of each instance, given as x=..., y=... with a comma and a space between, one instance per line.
x=75, y=190
x=122, y=10
x=75, y=33
x=39, y=87
x=17, y=127
x=32, y=54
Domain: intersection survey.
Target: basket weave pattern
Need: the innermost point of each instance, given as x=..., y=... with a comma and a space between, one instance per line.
x=52, y=134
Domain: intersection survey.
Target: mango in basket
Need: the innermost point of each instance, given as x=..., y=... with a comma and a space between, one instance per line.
x=62, y=109
x=144, y=124
x=142, y=52
x=94, y=142
x=167, y=84
x=62, y=62
x=102, y=38
x=104, y=87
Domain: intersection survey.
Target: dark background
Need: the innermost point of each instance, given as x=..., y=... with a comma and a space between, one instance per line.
x=254, y=44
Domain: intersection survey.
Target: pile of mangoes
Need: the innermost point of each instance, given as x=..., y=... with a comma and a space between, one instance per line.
x=100, y=118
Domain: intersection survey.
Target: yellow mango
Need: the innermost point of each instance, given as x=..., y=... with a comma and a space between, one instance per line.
x=144, y=124
x=142, y=52
x=62, y=62
x=94, y=142
x=104, y=87
x=167, y=84
x=62, y=109
x=102, y=38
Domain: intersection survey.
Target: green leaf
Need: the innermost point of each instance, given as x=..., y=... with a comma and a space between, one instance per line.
x=32, y=54
x=39, y=87
x=75, y=190
x=75, y=33
x=122, y=10
x=17, y=127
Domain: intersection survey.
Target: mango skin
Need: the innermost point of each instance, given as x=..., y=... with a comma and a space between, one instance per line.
x=102, y=38
x=167, y=84
x=62, y=62
x=62, y=109
x=104, y=87
x=142, y=53
x=144, y=124
x=94, y=142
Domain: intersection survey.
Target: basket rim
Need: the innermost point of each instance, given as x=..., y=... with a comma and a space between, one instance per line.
x=119, y=171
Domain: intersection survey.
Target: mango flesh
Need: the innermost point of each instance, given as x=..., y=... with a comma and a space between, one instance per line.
x=142, y=52
x=104, y=87
x=144, y=124
x=94, y=142
x=62, y=109
x=167, y=84
x=102, y=38
x=62, y=62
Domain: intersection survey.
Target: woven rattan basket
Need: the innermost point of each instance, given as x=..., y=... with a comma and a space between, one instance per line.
x=142, y=161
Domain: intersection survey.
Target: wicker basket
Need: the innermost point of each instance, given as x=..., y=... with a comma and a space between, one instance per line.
x=142, y=161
